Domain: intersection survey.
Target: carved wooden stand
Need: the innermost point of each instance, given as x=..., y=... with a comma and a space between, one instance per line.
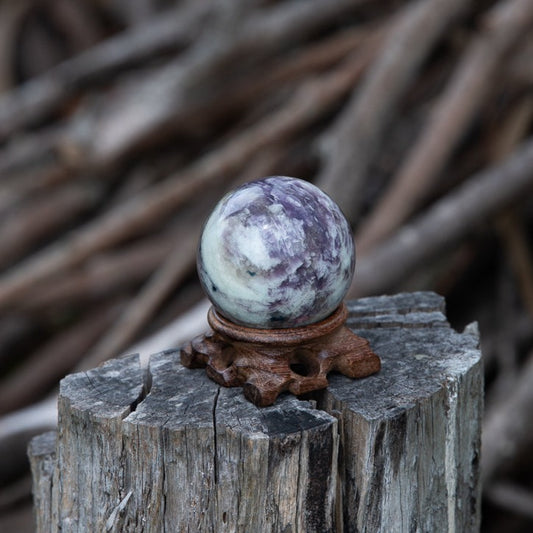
x=266, y=362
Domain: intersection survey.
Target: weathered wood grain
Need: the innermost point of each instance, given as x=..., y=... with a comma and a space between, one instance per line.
x=410, y=434
x=90, y=453
x=218, y=463
x=169, y=450
x=42, y=453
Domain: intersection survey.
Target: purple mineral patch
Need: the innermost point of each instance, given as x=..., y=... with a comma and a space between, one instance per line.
x=276, y=253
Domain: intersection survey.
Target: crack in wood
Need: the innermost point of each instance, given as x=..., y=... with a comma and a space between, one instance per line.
x=215, y=444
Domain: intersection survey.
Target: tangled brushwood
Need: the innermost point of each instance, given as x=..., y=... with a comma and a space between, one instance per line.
x=123, y=122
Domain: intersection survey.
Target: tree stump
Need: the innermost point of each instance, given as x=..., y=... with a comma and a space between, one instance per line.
x=166, y=449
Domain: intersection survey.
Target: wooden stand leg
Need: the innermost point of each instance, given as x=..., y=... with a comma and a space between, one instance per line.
x=268, y=362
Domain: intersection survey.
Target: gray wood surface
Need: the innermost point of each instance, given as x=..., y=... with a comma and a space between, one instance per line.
x=168, y=450
x=42, y=454
x=411, y=434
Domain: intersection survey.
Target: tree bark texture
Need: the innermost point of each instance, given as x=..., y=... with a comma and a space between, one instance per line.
x=166, y=449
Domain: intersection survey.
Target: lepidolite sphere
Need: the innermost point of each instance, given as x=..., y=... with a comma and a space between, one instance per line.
x=276, y=253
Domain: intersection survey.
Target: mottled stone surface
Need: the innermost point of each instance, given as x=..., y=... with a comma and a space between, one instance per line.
x=276, y=253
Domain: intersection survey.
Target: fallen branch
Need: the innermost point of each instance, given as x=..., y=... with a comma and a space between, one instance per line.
x=512, y=234
x=43, y=217
x=105, y=274
x=515, y=240
x=307, y=105
x=42, y=370
x=446, y=222
x=48, y=157
x=179, y=331
x=44, y=95
x=17, y=428
x=507, y=431
x=519, y=70
x=14, y=328
x=136, y=114
x=364, y=121
x=34, y=163
x=172, y=271
x=511, y=497
x=466, y=92
x=308, y=62
x=11, y=16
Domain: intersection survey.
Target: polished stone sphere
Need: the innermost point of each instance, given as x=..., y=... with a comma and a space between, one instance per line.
x=276, y=253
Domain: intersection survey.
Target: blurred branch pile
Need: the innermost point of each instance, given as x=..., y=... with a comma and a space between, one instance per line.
x=122, y=123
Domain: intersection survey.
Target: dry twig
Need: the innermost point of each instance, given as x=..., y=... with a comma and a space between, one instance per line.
x=307, y=105
x=44, y=94
x=446, y=222
x=12, y=13
x=51, y=363
x=513, y=235
x=364, y=122
x=505, y=25
x=140, y=310
x=506, y=431
x=103, y=275
x=43, y=216
x=54, y=156
x=511, y=497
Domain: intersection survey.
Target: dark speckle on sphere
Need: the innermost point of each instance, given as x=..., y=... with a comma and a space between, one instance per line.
x=276, y=253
